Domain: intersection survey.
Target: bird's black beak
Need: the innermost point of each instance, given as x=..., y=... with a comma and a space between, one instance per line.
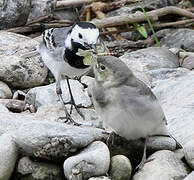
x=90, y=46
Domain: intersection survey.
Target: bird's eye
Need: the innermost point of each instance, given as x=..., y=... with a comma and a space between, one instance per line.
x=102, y=68
x=80, y=36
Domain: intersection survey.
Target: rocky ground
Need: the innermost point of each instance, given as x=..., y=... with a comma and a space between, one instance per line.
x=35, y=141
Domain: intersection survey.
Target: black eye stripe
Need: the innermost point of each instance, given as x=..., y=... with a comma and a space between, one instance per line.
x=80, y=36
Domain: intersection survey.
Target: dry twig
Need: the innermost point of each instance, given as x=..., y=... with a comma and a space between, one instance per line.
x=140, y=17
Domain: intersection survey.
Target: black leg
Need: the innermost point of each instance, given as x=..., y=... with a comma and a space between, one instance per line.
x=72, y=101
x=59, y=94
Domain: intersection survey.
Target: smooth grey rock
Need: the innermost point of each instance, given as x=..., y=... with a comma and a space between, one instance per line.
x=15, y=70
x=188, y=63
x=177, y=99
x=151, y=58
x=8, y=156
x=28, y=169
x=179, y=38
x=14, y=13
x=46, y=95
x=164, y=165
x=94, y=160
x=190, y=176
x=120, y=168
x=11, y=121
x=57, y=113
x=5, y=91
x=41, y=8
x=54, y=141
x=166, y=73
x=188, y=150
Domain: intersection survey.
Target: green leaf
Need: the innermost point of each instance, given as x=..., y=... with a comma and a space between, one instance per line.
x=141, y=30
x=89, y=58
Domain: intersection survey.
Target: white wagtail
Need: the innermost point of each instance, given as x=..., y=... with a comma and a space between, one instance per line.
x=59, y=53
x=126, y=104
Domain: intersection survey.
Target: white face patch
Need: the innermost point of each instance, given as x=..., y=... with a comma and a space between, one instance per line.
x=83, y=35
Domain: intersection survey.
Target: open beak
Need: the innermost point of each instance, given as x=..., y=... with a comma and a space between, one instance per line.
x=90, y=46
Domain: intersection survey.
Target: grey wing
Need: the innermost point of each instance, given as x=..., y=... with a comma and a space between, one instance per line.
x=140, y=101
x=55, y=37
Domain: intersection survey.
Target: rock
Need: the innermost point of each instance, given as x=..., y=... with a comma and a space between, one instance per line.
x=166, y=73
x=120, y=168
x=14, y=13
x=5, y=91
x=188, y=63
x=99, y=178
x=57, y=113
x=27, y=169
x=12, y=121
x=14, y=69
x=177, y=99
x=19, y=95
x=94, y=160
x=41, y=8
x=190, y=176
x=67, y=14
x=46, y=95
x=179, y=38
x=163, y=164
x=8, y=156
x=54, y=141
x=188, y=150
x=151, y=58
x=15, y=105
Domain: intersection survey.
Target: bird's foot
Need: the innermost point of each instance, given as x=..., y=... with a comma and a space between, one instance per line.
x=69, y=120
x=76, y=108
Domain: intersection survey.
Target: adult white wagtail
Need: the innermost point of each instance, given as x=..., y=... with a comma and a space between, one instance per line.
x=59, y=53
x=126, y=104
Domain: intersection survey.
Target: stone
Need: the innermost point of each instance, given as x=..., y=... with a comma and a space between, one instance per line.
x=190, y=176
x=15, y=105
x=8, y=156
x=10, y=122
x=57, y=113
x=53, y=140
x=15, y=70
x=28, y=169
x=120, y=168
x=177, y=100
x=46, y=95
x=166, y=73
x=163, y=164
x=93, y=160
x=188, y=63
x=5, y=91
x=14, y=13
x=41, y=8
x=68, y=14
x=188, y=150
x=151, y=58
x=177, y=38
